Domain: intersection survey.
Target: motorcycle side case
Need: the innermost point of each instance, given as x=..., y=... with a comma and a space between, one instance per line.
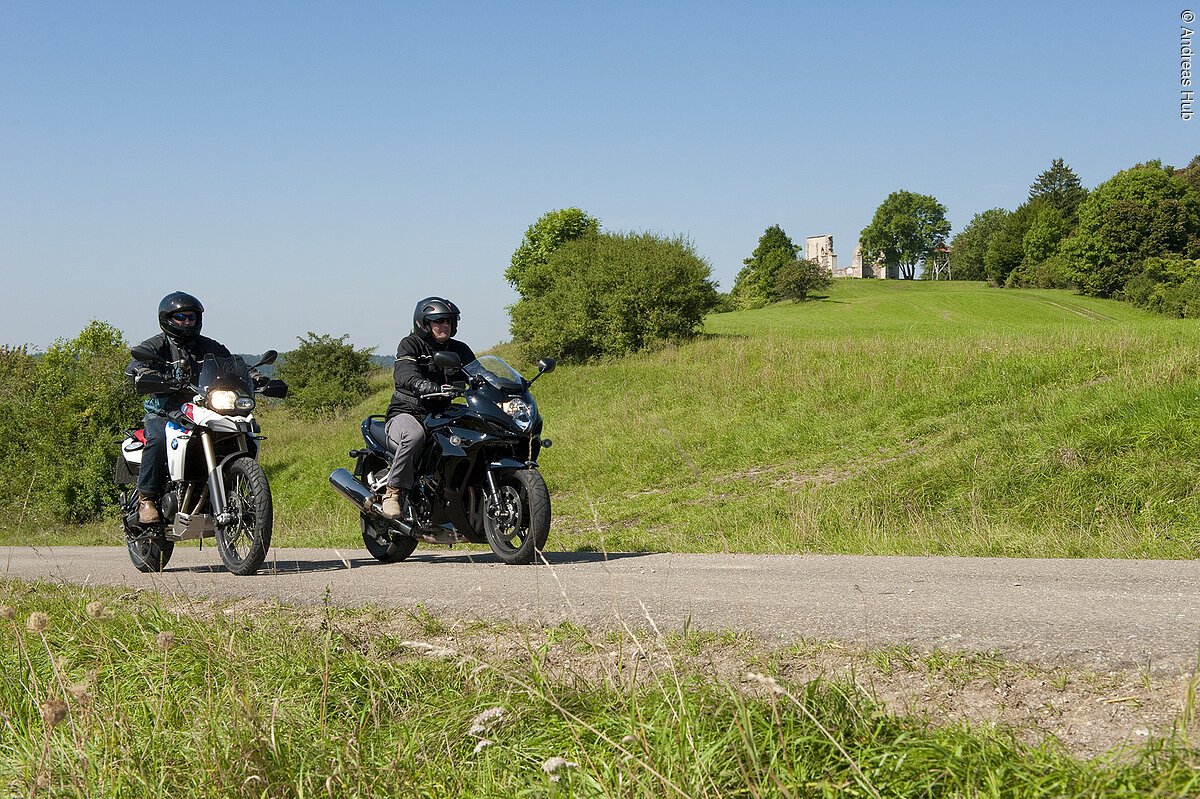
x=129, y=462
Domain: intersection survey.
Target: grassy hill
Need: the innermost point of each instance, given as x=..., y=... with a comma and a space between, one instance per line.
x=889, y=417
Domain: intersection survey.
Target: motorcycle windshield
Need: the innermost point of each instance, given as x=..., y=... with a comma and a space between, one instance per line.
x=497, y=373
x=229, y=373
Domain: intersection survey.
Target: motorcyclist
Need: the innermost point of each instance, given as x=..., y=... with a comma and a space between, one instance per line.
x=180, y=350
x=435, y=323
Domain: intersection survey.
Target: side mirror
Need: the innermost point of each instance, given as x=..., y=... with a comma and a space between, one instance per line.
x=447, y=360
x=267, y=357
x=544, y=365
x=141, y=353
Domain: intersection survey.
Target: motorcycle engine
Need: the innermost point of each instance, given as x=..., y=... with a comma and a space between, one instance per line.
x=169, y=505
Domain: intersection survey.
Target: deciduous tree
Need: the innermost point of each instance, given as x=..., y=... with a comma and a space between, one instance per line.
x=1137, y=214
x=969, y=247
x=754, y=285
x=542, y=238
x=612, y=294
x=904, y=231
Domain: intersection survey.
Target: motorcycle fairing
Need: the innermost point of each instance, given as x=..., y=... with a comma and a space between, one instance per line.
x=177, y=441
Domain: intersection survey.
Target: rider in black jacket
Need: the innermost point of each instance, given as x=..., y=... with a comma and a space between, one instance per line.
x=435, y=322
x=180, y=349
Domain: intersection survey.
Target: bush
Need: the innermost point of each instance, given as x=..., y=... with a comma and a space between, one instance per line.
x=612, y=294
x=62, y=416
x=324, y=375
x=1056, y=272
x=1169, y=286
x=795, y=279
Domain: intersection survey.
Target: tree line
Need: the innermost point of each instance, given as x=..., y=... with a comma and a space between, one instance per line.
x=1135, y=237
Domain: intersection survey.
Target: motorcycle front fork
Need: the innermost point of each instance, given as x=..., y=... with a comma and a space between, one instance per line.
x=216, y=483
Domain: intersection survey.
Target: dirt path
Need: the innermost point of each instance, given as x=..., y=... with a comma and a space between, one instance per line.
x=1095, y=614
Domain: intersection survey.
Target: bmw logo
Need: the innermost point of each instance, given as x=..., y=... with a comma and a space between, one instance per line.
x=175, y=444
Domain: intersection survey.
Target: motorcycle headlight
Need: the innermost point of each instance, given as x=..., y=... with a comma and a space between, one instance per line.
x=226, y=400
x=520, y=411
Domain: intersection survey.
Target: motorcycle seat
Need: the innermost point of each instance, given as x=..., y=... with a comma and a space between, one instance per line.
x=377, y=433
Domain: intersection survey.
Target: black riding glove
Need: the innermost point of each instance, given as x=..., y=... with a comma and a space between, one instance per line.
x=423, y=386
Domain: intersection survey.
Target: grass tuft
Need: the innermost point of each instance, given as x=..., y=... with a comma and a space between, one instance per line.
x=120, y=694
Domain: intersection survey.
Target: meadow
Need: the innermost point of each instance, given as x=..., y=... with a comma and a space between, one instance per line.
x=902, y=417
x=914, y=418
x=888, y=417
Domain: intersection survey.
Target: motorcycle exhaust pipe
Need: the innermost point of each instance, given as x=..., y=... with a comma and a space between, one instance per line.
x=355, y=492
x=360, y=497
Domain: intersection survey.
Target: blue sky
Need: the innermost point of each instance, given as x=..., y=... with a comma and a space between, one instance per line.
x=320, y=166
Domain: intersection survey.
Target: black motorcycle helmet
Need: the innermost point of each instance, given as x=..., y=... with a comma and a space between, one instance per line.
x=435, y=308
x=179, y=302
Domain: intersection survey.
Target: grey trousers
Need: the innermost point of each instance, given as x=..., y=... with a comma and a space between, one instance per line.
x=407, y=435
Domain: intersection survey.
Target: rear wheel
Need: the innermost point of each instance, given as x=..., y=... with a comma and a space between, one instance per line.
x=388, y=547
x=243, y=542
x=148, y=549
x=517, y=521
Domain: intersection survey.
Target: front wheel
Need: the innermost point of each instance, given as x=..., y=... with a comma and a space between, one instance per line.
x=517, y=520
x=243, y=542
x=388, y=547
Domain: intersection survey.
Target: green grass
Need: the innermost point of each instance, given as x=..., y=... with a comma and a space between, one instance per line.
x=889, y=417
x=892, y=418
x=110, y=694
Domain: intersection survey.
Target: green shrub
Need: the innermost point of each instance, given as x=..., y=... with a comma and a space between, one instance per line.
x=612, y=294
x=796, y=278
x=1055, y=272
x=324, y=375
x=1170, y=286
x=62, y=416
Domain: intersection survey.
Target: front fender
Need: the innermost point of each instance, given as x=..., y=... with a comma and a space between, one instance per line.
x=510, y=463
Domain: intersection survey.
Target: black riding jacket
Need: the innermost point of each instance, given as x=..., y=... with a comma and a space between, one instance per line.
x=190, y=354
x=414, y=363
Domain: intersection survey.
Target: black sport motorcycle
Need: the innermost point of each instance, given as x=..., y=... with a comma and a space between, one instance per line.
x=477, y=477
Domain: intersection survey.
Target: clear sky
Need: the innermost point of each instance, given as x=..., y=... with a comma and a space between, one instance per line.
x=320, y=166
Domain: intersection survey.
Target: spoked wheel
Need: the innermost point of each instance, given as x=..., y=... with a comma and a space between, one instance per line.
x=244, y=541
x=148, y=548
x=389, y=547
x=517, y=521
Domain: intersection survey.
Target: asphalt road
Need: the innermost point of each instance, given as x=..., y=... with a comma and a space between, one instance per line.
x=1098, y=614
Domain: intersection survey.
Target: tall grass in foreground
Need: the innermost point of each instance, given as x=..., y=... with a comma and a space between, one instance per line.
x=119, y=695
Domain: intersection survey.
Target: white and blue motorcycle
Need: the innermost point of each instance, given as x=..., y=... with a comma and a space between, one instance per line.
x=215, y=485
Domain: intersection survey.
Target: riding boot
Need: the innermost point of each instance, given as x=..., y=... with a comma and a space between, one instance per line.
x=148, y=510
x=391, y=508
